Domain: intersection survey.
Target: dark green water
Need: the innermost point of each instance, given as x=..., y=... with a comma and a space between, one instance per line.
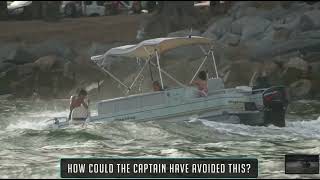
x=28, y=149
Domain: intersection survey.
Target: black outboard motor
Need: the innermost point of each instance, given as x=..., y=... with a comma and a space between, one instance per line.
x=275, y=100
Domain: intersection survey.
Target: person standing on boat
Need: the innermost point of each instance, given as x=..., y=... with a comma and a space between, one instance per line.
x=156, y=86
x=79, y=106
x=202, y=84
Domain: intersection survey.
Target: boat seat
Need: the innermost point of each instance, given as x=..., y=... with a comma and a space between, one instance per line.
x=215, y=84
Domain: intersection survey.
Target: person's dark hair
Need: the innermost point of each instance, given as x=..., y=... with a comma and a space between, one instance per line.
x=83, y=92
x=156, y=83
x=202, y=75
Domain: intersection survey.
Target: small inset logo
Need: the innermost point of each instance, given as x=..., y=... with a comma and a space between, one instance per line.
x=301, y=164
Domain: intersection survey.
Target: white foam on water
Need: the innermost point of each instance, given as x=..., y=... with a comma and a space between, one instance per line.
x=174, y=153
x=297, y=129
x=33, y=120
x=72, y=145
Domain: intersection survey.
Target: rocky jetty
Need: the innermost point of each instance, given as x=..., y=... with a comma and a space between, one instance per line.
x=278, y=39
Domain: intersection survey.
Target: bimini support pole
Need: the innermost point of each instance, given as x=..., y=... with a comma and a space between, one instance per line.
x=159, y=68
x=115, y=78
x=214, y=62
x=141, y=70
x=205, y=52
x=110, y=74
x=204, y=60
x=169, y=76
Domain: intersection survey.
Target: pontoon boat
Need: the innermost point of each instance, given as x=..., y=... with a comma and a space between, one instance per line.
x=230, y=105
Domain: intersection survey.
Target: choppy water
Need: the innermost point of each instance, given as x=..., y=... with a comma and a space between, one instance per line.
x=29, y=150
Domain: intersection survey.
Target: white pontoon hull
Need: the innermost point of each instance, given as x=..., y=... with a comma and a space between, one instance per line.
x=223, y=105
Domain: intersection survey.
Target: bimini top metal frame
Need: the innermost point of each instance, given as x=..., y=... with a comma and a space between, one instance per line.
x=147, y=49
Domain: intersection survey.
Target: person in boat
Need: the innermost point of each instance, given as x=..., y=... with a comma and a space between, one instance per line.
x=201, y=83
x=79, y=106
x=262, y=81
x=157, y=86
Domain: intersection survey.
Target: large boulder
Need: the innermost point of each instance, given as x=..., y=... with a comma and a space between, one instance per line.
x=300, y=7
x=267, y=10
x=54, y=47
x=300, y=88
x=6, y=66
x=230, y=39
x=281, y=35
x=218, y=28
x=20, y=56
x=241, y=73
x=273, y=72
x=97, y=49
x=315, y=79
x=316, y=5
x=294, y=70
x=246, y=11
x=303, y=42
x=185, y=33
x=25, y=69
x=47, y=63
x=6, y=51
x=297, y=63
x=22, y=87
x=249, y=27
x=315, y=69
x=310, y=20
x=290, y=75
x=239, y=6
x=289, y=22
x=311, y=57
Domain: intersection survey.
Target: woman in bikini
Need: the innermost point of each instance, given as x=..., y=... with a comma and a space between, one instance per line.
x=76, y=102
x=202, y=84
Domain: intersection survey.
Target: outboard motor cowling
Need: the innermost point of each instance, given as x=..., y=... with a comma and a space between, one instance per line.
x=275, y=100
